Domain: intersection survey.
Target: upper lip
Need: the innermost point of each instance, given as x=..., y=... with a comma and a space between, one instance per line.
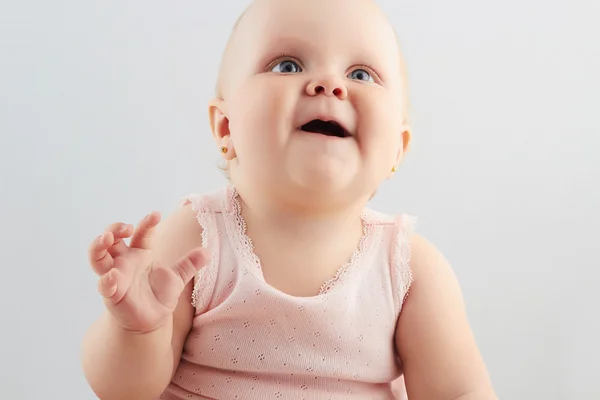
x=328, y=118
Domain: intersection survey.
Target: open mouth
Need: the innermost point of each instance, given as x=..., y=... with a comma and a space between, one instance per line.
x=327, y=128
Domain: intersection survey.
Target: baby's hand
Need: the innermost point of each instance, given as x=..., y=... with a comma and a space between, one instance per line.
x=140, y=293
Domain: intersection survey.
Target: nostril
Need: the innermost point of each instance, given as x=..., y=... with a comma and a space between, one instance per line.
x=337, y=92
x=319, y=89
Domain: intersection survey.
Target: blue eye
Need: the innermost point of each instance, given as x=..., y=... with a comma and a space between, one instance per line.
x=287, y=67
x=361, y=75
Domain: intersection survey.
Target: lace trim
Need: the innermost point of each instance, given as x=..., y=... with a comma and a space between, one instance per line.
x=205, y=278
x=356, y=255
x=237, y=226
x=244, y=246
x=401, y=254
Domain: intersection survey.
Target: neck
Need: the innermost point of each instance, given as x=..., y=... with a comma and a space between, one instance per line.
x=284, y=220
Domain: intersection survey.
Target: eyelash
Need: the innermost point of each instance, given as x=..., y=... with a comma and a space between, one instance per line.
x=370, y=70
x=285, y=57
x=280, y=58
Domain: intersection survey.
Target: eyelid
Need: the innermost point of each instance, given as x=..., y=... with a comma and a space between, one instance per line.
x=370, y=70
x=283, y=57
x=287, y=57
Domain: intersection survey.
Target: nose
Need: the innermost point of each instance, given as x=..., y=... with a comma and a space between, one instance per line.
x=329, y=87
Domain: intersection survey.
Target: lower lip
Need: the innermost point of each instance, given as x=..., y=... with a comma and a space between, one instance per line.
x=325, y=137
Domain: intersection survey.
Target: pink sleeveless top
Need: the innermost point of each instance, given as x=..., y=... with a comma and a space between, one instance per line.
x=251, y=341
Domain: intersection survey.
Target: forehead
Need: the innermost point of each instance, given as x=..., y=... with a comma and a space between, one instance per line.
x=356, y=27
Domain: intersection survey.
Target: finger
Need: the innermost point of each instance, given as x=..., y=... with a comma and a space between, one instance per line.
x=113, y=286
x=167, y=284
x=107, y=285
x=187, y=267
x=99, y=258
x=143, y=234
x=120, y=231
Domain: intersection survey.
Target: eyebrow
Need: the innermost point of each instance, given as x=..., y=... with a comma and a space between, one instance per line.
x=290, y=43
x=274, y=47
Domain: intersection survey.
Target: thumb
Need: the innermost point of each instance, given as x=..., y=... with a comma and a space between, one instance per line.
x=187, y=267
x=167, y=283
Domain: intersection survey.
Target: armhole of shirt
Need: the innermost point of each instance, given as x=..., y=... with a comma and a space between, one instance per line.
x=205, y=279
x=401, y=272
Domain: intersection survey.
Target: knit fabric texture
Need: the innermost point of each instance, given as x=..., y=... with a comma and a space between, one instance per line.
x=252, y=341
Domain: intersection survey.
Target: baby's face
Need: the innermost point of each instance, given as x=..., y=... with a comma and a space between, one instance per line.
x=292, y=63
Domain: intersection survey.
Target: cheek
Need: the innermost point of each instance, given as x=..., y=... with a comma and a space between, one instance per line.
x=249, y=119
x=380, y=119
x=260, y=120
x=259, y=110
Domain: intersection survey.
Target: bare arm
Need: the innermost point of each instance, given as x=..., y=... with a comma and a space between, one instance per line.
x=120, y=364
x=123, y=365
x=435, y=343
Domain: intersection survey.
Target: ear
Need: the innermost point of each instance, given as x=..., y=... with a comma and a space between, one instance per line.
x=405, y=141
x=219, y=125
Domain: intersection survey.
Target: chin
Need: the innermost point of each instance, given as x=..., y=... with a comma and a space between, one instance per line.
x=326, y=181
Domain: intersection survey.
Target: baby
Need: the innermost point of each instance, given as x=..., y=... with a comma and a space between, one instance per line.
x=284, y=285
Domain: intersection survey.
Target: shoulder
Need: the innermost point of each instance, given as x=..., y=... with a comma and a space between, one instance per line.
x=433, y=280
x=182, y=229
x=182, y=219
x=178, y=233
x=185, y=222
x=414, y=255
x=427, y=260
x=433, y=331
